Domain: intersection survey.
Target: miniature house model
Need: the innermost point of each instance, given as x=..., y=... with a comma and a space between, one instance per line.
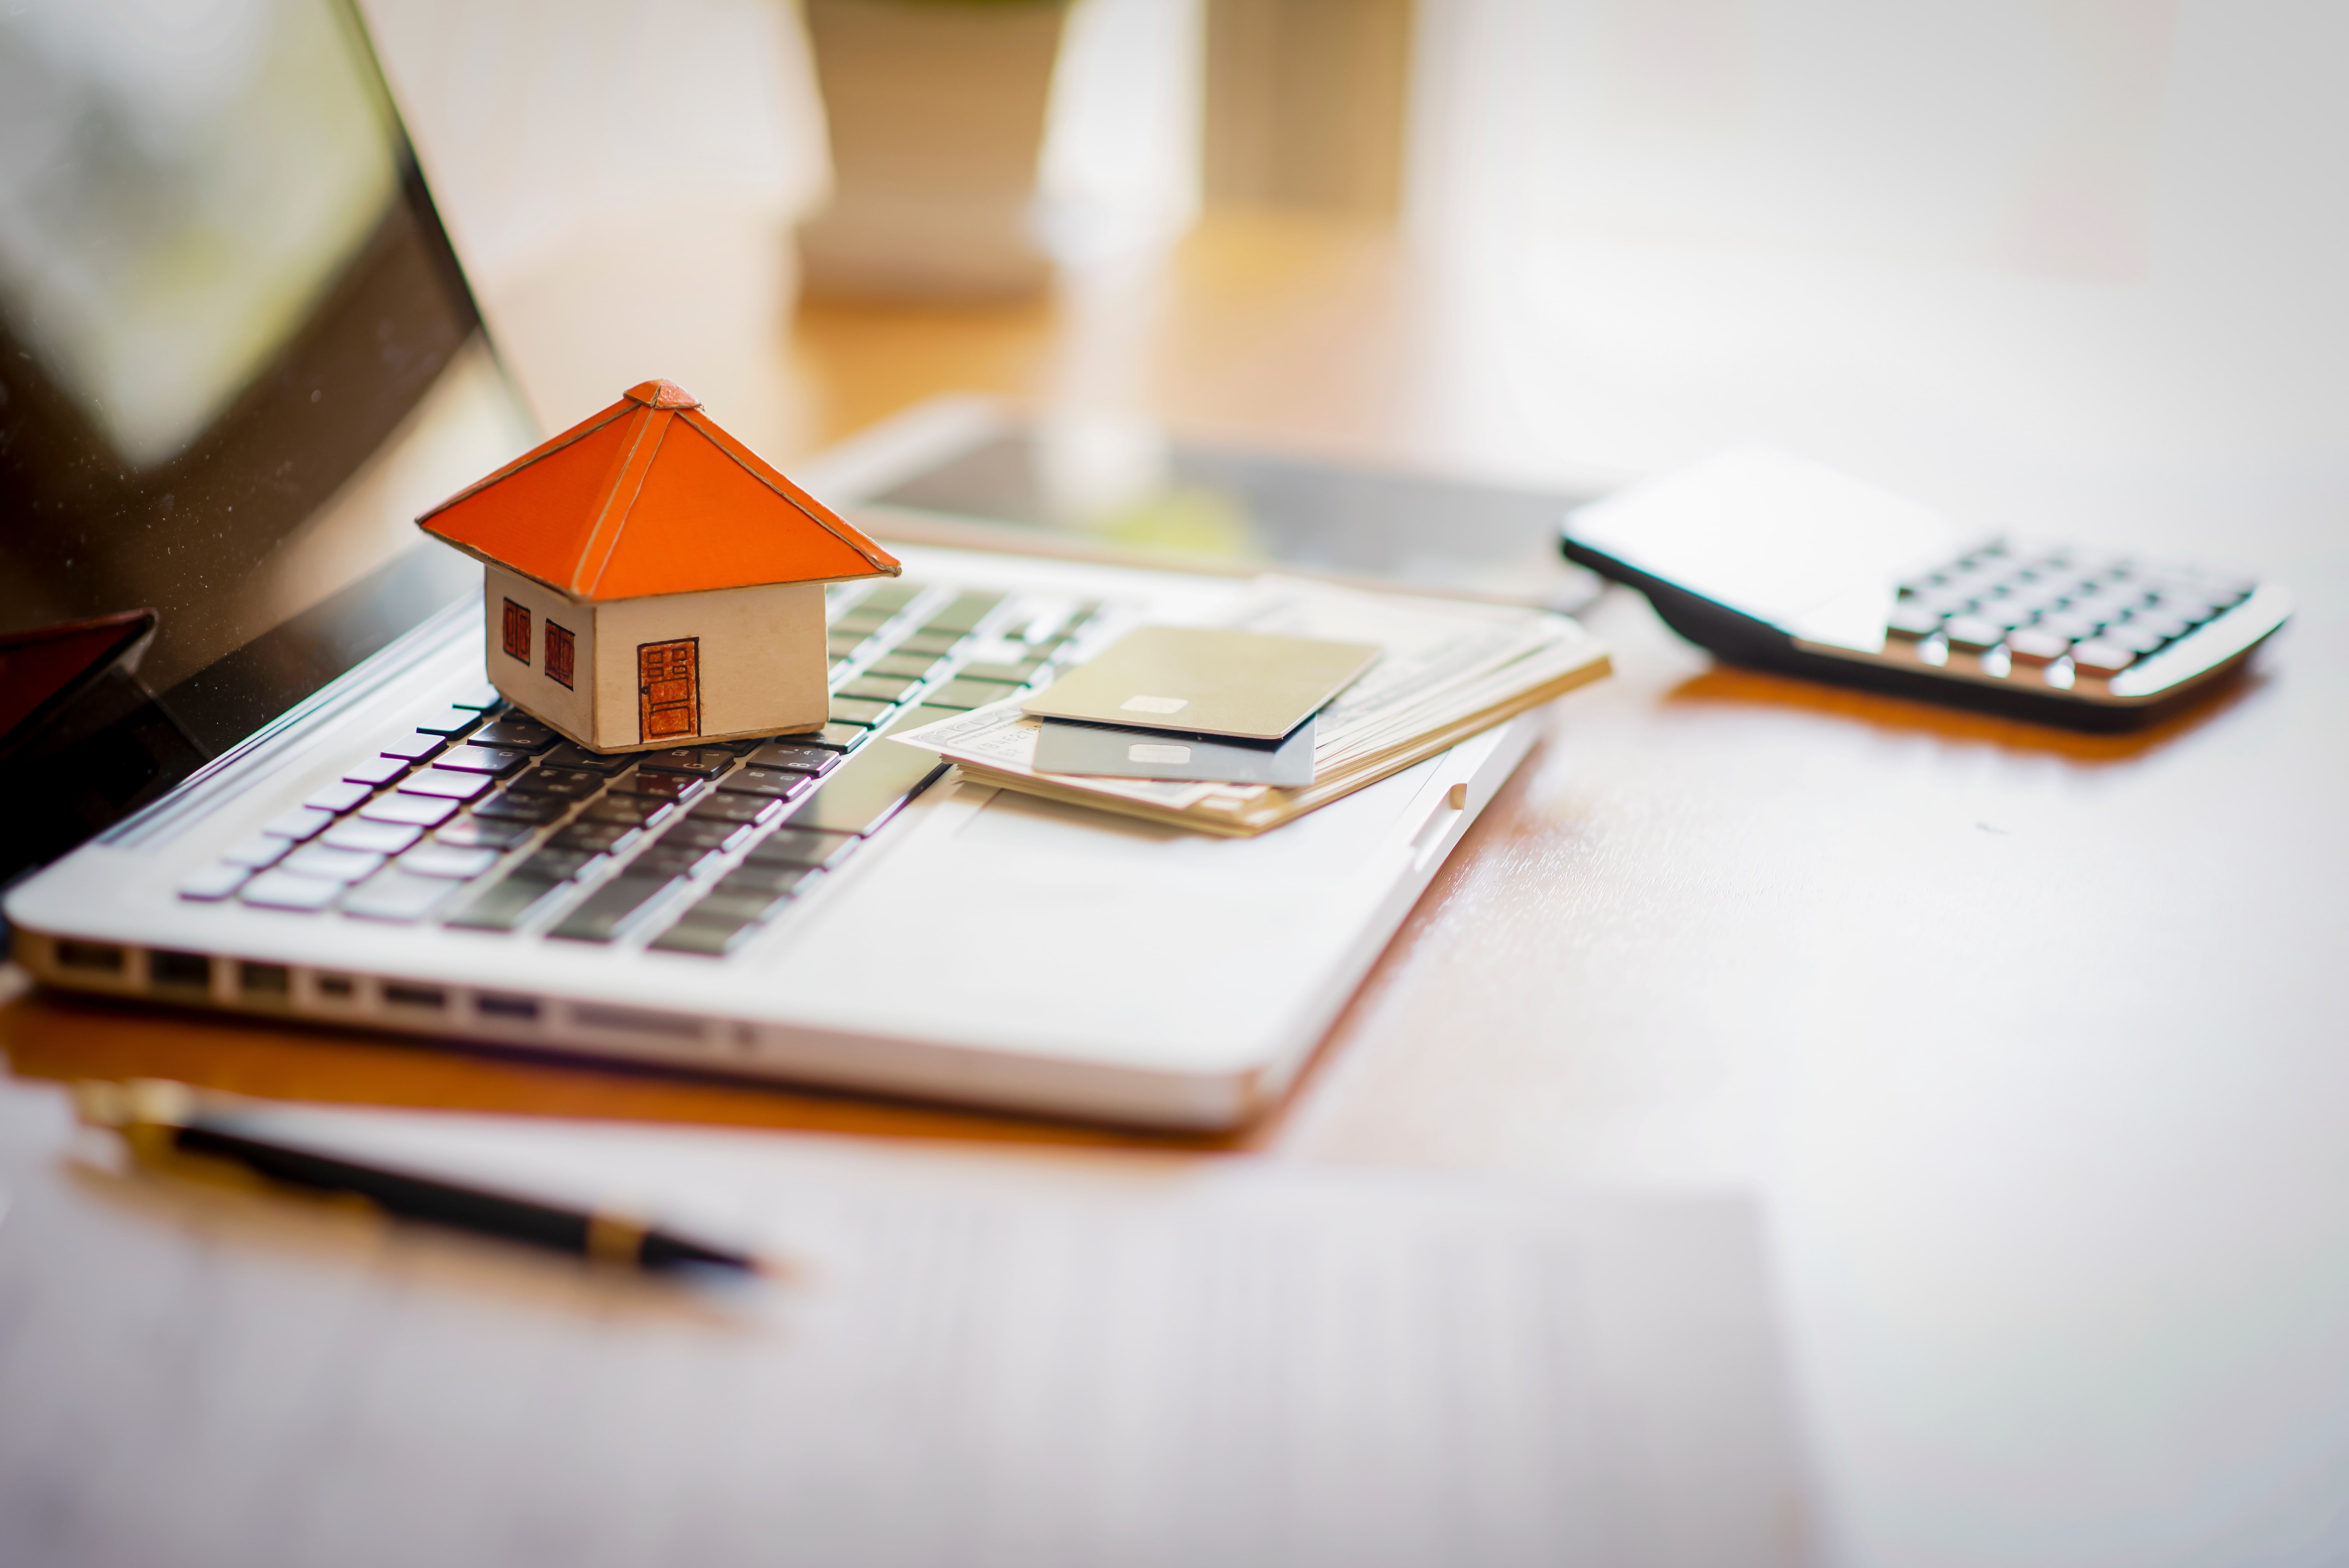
x=651, y=583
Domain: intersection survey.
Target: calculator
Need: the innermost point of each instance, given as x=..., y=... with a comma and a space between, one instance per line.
x=1771, y=560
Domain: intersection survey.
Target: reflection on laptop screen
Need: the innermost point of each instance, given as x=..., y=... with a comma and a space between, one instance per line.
x=236, y=353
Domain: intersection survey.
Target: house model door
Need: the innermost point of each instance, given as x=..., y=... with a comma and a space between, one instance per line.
x=668, y=689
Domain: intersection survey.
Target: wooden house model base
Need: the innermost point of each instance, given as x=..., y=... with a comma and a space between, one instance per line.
x=634, y=675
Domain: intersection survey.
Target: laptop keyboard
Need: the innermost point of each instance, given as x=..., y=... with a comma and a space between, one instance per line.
x=484, y=819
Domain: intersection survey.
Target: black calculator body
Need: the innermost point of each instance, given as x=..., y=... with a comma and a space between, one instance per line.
x=1780, y=564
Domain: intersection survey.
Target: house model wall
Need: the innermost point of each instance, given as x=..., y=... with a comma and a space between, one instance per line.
x=648, y=581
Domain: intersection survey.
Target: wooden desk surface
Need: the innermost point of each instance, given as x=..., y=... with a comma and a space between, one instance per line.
x=2034, y=1049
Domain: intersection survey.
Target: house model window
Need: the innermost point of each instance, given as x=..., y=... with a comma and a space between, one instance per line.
x=680, y=579
x=559, y=651
x=517, y=631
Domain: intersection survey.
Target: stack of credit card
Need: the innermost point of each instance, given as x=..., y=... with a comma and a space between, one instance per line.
x=1199, y=703
x=1173, y=725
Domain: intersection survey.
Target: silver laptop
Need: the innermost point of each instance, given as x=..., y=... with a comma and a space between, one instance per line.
x=241, y=441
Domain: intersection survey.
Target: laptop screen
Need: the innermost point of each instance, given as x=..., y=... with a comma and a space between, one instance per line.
x=237, y=358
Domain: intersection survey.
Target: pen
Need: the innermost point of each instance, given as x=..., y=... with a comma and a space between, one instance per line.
x=166, y=1126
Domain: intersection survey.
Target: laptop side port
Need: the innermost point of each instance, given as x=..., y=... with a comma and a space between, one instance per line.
x=263, y=981
x=521, y=1009
x=169, y=971
x=94, y=958
x=337, y=988
x=396, y=995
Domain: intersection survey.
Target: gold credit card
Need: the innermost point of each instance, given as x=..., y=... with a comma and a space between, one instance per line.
x=1202, y=680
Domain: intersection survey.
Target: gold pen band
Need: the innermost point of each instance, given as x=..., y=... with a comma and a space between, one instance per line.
x=615, y=1238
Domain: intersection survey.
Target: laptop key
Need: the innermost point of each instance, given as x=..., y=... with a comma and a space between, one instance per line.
x=213, y=883
x=773, y=783
x=569, y=754
x=371, y=838
x=489, y=760
x=448, y=720
x=963, y=613
x=329, y=864
x=867, y=790
x=802, y=847
x=338, y=796
x=300, y=824
x=414, y=746
x=505, y=904
x=903, y=666
x=878, y=688
x=596, y=838
x=772, y=881
x=857, y=711
x=416, y=810
x=482, y=697
x=535, y=809
x=284, y=890
x=702, y=762
x=602, y=914
x=551, y=864
x=445, y=785
x=676, y=787
x=1019, y=674
x=935, y=643
x=395, y=894
x=736, y=807
x=709, y=936
x=671, y=861
x=449, y=862
x=630, y=810
x=961, y=693
x=741, y=905
x=515, y=733
x=796, y=757
x=476, y=832
x=700, y=833
x=375, y=770
x=557, y=783
x=259, y=850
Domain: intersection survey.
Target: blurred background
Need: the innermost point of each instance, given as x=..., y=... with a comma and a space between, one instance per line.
x=2070, y=266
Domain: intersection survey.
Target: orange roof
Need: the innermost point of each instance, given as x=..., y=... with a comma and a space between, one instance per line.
x=651, y=497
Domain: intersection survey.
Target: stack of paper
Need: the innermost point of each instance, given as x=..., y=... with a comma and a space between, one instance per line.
x=1447, y=669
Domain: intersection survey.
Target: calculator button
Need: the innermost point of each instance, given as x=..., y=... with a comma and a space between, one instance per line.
x=1973, y=635
x=2161, y=624
x=2033, y=646
x=2101, y=658
x=1912, y=619
x=2134, y=635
